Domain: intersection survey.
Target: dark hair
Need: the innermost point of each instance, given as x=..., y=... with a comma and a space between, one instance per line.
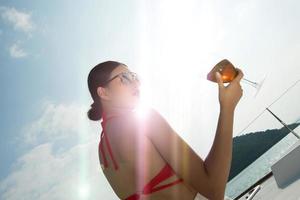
x=97, y=77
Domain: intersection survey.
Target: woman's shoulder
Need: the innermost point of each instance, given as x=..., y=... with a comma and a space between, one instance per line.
x=148, y=113
x=133, y=121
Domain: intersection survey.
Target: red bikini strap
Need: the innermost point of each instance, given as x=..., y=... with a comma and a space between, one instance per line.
x=133, y=197
x=165, y=173
x=103, y=123
x=102, y=151
x=167, y=185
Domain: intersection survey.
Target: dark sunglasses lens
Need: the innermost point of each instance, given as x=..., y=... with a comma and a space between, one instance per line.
x=125, y=78
x=129, y=77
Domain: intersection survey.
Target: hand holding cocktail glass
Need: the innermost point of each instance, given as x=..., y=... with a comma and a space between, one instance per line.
x=229, y=95
x=229, y=72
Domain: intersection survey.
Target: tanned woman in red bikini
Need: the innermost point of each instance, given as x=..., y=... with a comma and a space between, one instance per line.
x=143, y=157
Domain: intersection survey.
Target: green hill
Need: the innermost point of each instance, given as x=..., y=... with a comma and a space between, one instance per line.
x=247, y=148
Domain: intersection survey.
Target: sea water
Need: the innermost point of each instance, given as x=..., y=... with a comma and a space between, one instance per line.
x=260, y=166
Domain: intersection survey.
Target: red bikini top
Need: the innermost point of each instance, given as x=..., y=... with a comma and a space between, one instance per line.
x=164, y=173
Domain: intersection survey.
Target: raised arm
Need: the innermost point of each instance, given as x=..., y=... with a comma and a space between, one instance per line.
x=179, y=155
x=218, y=160
x=208, y=177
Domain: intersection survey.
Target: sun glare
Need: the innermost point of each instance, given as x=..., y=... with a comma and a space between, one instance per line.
x=144, y=103
x=84, y=191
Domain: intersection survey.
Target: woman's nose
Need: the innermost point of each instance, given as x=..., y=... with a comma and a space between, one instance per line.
x=136, y=83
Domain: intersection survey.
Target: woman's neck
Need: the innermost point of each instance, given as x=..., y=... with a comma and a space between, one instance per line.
x=116, y=110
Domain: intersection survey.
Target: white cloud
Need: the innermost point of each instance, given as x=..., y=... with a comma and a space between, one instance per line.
x=44, y=173
x=20, y=20
x=41, y=174
x=59, y=123
x=56, y=122
x=16, y=51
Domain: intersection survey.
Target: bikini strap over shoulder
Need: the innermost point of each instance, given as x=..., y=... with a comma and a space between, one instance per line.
x=103, y=135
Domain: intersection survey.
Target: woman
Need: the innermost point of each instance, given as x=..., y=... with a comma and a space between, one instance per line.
x=144, y=158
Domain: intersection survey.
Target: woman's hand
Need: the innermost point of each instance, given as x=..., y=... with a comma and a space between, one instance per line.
x=230, y=95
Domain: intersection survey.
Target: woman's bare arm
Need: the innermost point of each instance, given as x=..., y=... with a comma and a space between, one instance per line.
x=218, y=160
x=180, y=156
x=208, y=177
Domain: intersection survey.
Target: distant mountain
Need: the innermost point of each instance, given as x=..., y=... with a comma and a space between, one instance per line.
x=247, y=148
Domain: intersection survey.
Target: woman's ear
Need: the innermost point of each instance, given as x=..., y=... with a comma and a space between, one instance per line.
x=102, y=93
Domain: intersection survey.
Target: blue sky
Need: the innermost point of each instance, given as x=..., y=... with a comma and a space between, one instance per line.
x=48, y=48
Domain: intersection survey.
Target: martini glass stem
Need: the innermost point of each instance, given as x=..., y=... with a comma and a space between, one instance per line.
x=251, y=82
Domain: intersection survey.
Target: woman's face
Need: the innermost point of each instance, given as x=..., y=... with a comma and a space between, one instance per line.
x=121, y=92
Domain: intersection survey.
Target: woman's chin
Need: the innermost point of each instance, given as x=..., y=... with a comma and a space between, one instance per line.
x=135, y=102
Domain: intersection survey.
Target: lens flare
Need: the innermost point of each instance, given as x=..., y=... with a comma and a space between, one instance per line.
x=84, y=191
x=144, y=102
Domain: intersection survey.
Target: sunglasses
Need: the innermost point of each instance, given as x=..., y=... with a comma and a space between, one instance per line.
x=127, y=77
